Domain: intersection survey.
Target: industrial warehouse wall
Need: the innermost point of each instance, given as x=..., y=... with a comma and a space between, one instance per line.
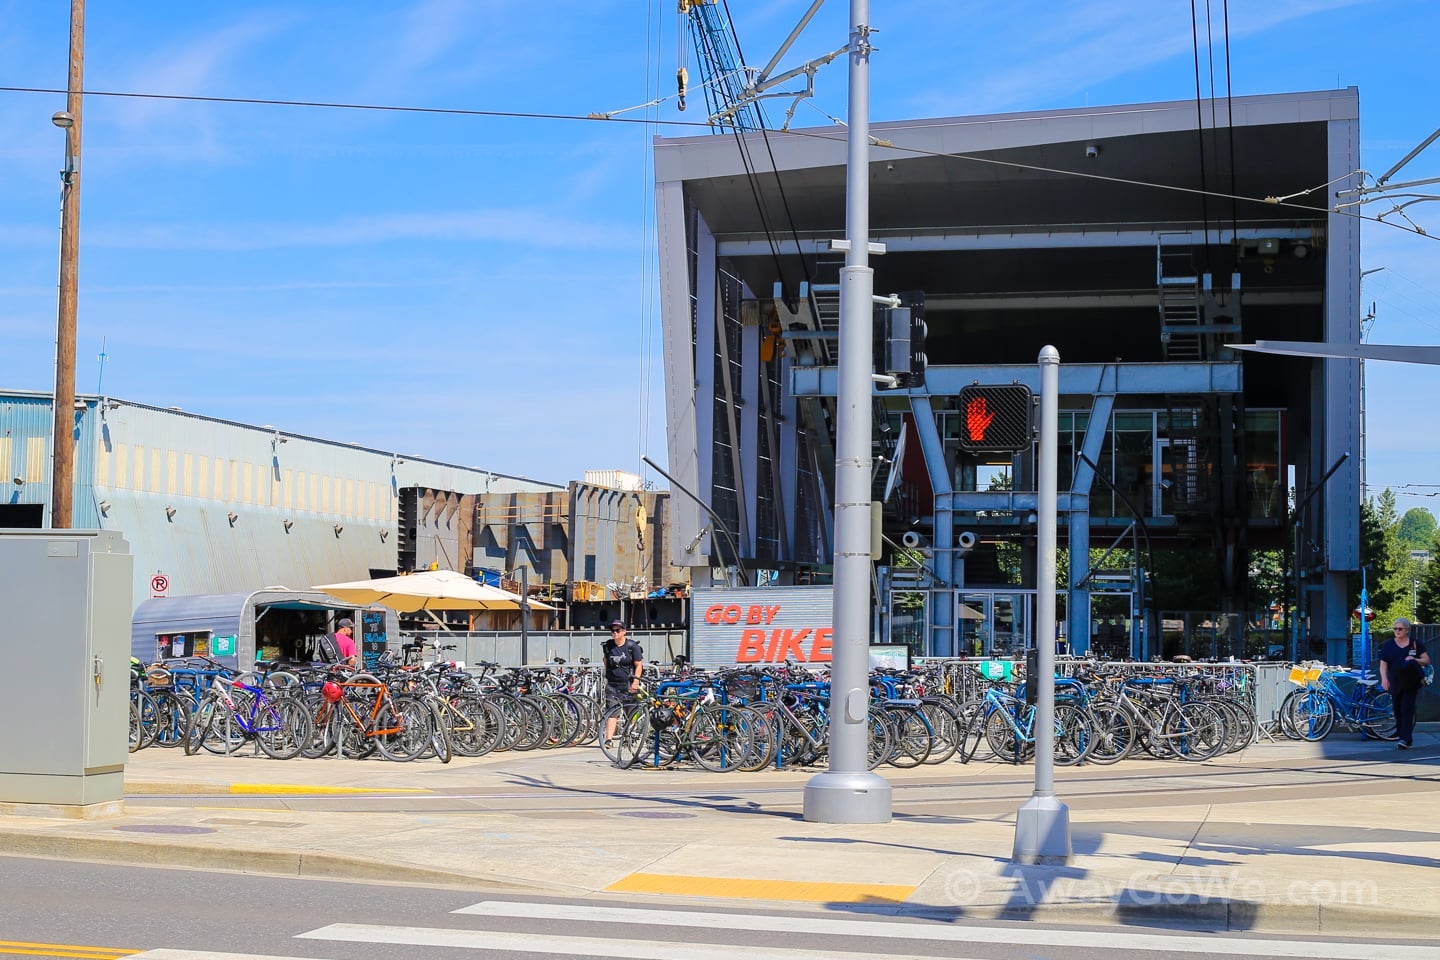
x=220, y=507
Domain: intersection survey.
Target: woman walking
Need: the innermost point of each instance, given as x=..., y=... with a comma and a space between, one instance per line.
x=1401, y=660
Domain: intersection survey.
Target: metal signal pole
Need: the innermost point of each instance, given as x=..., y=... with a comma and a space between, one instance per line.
x=62, y=464
x=847, y=792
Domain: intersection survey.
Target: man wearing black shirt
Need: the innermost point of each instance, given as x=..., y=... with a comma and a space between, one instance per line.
x=624, y=663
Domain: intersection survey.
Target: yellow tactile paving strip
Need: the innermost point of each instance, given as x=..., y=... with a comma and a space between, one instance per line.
x=735, y=888
x=26, y=948
x=287, y=788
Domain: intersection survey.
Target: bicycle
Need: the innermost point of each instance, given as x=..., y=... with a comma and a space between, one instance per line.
x=233, y=711
x=1311, y=711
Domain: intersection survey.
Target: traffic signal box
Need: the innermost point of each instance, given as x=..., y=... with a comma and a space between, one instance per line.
x=900, y=332
x=996, y=417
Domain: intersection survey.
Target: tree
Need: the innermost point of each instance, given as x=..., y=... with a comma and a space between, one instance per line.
x=1427, y=607
x=1417, y=528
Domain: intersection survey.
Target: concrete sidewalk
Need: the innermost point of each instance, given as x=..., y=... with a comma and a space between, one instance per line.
x=1337, y=837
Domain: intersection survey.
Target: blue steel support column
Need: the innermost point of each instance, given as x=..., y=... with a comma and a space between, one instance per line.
x=943, y=641
x=848, y=792
x=1078, y=602
x=1042, y=825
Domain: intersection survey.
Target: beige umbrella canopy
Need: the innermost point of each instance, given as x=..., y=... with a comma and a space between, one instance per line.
x=428, y=590
x=970, y=613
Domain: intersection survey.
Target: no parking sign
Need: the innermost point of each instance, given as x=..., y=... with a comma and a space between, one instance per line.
x=159, y=585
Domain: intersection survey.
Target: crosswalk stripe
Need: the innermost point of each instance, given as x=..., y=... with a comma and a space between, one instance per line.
x=949, y=932
x=551, y=945
x=168, y=954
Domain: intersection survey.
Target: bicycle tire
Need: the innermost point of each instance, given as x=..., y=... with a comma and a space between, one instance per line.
x=401, y=729
x=910, y=735
x=1376, y=715
x=1195, y=731
x=284, y=728
x=944, y=728
x=1112, y=735
x=719, y=737
x=1074, y=732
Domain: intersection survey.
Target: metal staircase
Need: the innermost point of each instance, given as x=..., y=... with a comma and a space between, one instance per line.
x=1181, y=297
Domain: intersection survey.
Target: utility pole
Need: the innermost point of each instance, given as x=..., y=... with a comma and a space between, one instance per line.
x=62, y=463
x=847, y=792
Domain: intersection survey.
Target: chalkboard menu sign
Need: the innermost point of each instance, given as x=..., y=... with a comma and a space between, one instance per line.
x=372, y=636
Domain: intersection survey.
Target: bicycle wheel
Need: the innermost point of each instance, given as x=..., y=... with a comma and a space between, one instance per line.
x=322, y=729
x=910, y=734
x=401, y=729
x=1074, y=733
x=468, y=724
x=172, y=719
x=944, y=729
x=881, y=742
x=720, y=737
x=439, y=746
x=533, y=729
x=973, y=744
x=1376, y=715
x=147, y=720
x=1311, y=715
x=1006, y=737
x=283, y=727
x=1194, y=731
x=1112, y=734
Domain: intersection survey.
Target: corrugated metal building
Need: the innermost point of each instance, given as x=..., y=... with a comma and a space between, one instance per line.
x=1101, y=231
x=219, y=506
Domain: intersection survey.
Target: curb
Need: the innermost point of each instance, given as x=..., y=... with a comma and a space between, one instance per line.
x=286, y=863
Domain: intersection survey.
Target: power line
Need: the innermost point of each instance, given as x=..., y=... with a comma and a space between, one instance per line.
x=601, y=118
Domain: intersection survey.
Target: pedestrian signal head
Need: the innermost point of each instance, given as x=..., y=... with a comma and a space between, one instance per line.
x=996, y=417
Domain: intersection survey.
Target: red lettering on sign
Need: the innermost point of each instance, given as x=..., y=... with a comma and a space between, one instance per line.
x=713, y=613
x=755, y=615
x=790, y=645
x=732, y=614
x=820, y=649
x=752, y=646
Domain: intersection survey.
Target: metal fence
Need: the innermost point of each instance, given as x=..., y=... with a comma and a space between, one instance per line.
x=509, y=649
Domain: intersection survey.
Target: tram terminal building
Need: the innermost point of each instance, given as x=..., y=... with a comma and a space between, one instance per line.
x=1143, y=242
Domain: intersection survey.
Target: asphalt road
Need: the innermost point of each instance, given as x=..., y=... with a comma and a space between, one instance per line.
x=101, y=911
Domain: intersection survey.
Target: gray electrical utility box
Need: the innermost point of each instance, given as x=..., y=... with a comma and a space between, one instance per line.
x=65, y=645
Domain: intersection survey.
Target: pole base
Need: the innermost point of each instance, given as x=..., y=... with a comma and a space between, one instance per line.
x=1042, y=832
x=847, y=798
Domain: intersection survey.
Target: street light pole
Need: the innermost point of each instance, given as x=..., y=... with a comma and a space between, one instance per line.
x=847, y=792
x=1042, y=825
x=62, y=464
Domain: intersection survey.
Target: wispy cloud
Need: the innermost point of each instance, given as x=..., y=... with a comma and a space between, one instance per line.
x=522, y=227
x=190, y=67
x=1035, y=54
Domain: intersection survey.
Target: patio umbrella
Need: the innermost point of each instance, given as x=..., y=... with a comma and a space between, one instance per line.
x=970, y=613
x=428, y=590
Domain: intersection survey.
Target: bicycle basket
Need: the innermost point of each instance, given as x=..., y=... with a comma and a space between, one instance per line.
x=157, y=677
x=1304, y=676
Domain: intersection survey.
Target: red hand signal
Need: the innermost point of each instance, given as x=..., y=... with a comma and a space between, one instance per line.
x=977, y=419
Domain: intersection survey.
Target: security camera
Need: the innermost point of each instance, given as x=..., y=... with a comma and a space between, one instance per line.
x=1092, y=150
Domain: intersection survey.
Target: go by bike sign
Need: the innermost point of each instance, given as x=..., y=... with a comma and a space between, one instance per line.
x=761, y=625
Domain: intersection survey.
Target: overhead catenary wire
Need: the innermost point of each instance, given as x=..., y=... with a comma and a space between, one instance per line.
x=702, y=125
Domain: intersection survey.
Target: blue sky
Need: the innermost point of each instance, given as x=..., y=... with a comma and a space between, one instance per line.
x=389, y=278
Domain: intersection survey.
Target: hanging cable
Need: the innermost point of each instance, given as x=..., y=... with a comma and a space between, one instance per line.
x=1230, y=129
x=1200, y=136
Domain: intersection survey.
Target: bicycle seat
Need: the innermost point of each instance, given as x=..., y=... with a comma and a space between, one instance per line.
x=1367, y=681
